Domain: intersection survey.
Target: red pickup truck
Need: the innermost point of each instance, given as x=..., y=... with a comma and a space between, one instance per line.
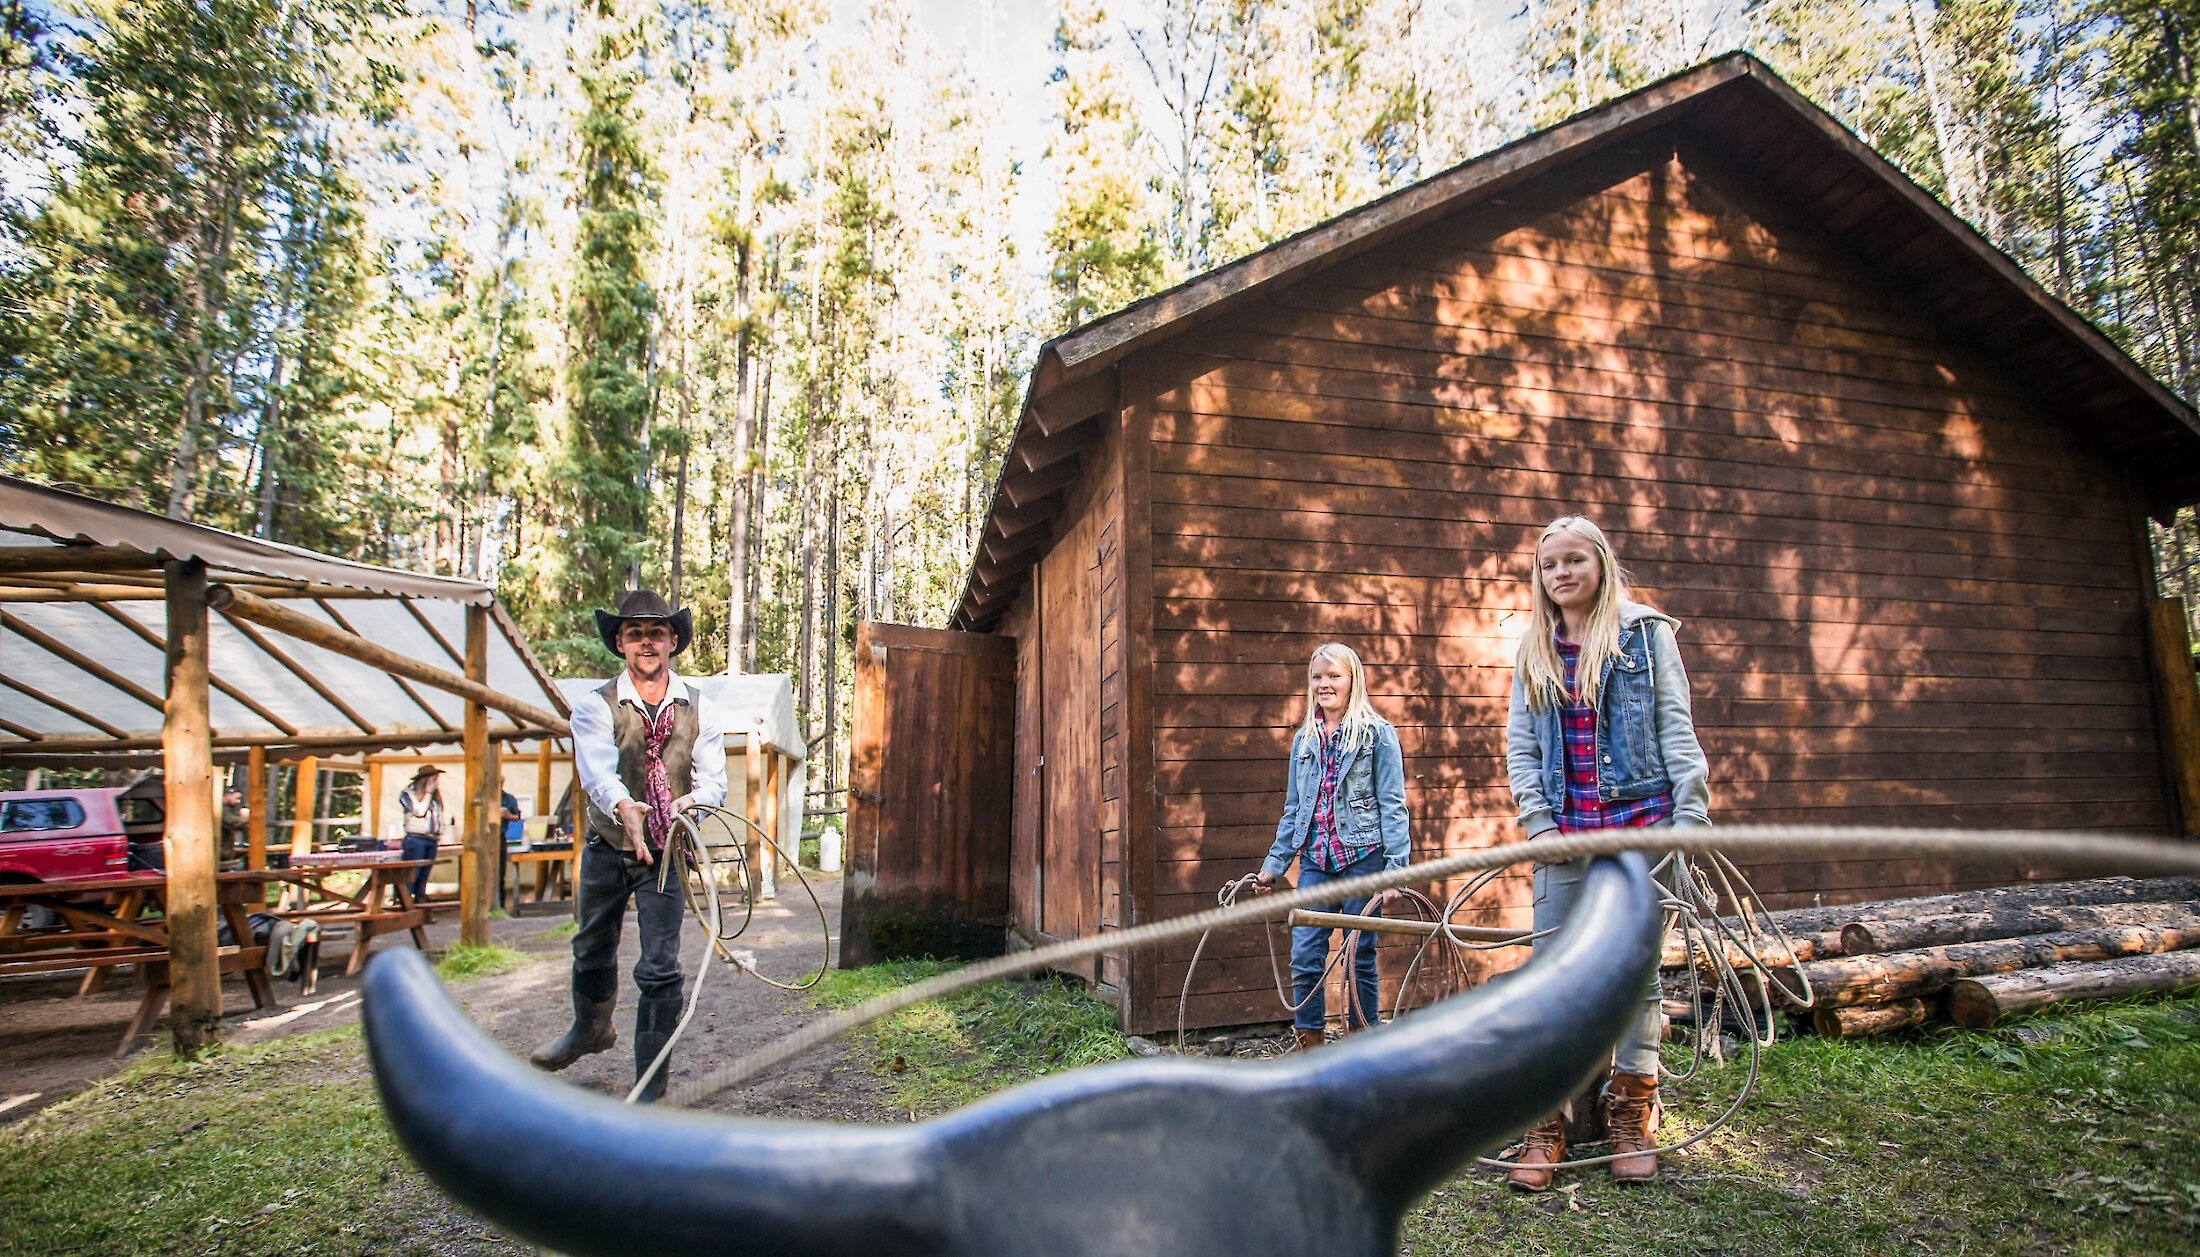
x=74, y=835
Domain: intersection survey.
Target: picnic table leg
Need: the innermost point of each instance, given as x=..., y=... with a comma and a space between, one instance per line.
x=155, y=977
x=405, y=900
x=95, y=979
x=255, y=976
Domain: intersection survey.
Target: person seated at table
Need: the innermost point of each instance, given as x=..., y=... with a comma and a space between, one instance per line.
x=235, y=820
x=420, y=803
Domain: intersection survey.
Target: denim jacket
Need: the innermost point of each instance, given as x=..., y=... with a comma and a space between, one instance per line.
x=1646, y=732
x=1371, y=801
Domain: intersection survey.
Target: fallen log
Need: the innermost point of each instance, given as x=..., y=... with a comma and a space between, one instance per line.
x=1981, y=1001
x=1853, y=980
x=1863, y=938
x=1805, y=947
x=2098, y=890
x=1867, y=1020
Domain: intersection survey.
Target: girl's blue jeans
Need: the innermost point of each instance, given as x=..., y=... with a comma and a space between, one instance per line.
x=1555, y=886
x=1310, y=952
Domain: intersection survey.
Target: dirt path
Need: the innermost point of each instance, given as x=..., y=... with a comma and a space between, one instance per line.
x=53, y=1043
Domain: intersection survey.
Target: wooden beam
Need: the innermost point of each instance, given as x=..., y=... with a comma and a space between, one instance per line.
x=373, y=800
x=74, y=713
x=752, y=806
x=150, y=638
x=774, y=780
x=328, y=637
x=1015, y=519
x=296, y=669
x=1029, y=487
x=542, y=777
x=305, y=791
x=255, y=808
x=25, y=732
x=68, y=558
x=1072, y=404
x=107, y=750
x=1038, y=451
x=410, y=692
x=477, y=863
x=71, y=654
x=1002, y=550
x=434, y=632
x=187, y=768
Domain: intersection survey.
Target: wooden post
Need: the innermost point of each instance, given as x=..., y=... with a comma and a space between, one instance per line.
x=542, y=776
x=187, y=765
x=373, y=801
x=478, y=862
x=255, y=808
x=774, y=775
x=305, y=791
x=2180, y=702
x=752, y=760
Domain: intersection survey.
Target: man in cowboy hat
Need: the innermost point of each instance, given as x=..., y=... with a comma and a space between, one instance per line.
x=647, y=746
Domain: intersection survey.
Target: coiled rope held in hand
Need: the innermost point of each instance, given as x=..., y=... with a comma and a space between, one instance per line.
x=687, y=853
x=2109, y=854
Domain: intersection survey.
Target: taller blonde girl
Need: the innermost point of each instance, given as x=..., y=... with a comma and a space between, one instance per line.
x=1541, y=671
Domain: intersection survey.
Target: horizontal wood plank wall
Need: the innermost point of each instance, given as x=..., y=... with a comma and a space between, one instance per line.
x=1907, y=593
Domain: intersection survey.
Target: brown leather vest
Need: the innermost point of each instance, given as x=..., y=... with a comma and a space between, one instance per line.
x=629, y=732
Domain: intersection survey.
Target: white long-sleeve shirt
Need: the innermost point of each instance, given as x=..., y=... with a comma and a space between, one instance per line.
x=596, y=755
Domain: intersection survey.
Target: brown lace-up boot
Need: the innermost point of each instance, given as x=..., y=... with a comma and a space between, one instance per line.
x=1543, y=1147
x=1308, y=1040
x=1631, y=1109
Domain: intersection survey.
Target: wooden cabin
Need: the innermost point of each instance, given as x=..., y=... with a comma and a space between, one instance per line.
x=1895, y=492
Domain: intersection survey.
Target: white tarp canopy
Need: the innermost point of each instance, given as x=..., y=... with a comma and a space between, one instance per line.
x=83, y=633
x=762, y=701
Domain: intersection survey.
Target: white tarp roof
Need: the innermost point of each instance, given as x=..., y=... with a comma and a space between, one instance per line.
x=83, y=653
x=763, y=701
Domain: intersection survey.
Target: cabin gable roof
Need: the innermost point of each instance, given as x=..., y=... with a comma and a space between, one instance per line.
x=1767, y=132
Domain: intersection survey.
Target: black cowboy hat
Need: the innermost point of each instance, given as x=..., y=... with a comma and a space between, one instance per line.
x=645, y=604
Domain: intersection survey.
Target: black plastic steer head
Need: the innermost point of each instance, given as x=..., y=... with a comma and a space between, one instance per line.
x=1316, y=1154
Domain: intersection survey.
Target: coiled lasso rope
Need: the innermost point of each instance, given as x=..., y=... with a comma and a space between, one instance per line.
x=2093, y=851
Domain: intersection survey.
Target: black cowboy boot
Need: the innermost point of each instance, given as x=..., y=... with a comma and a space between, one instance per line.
x=595, y=993
x=654, y=1021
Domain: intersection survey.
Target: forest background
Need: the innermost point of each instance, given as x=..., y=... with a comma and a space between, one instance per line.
x=736, y=299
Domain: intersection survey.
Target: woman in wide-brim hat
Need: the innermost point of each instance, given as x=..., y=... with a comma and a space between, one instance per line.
x=420, y=805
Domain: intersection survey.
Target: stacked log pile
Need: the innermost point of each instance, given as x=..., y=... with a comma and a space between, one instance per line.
x=1977, y=956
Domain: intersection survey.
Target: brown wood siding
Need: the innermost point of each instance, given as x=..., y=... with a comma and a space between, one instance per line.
x=1068, y=828
x=930, y=794
x=1907, y=592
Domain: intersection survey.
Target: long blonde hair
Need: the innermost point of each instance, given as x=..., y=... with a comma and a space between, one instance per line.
x=1542, y=672
x=1360, y=720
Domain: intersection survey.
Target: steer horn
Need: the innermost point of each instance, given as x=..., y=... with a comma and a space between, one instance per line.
x=1308, y=1154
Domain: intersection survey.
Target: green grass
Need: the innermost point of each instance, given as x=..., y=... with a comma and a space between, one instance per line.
x=560, y=932
x=945, y=1053
x=278, y=1147
x=478, y=960
x=2071, y=1133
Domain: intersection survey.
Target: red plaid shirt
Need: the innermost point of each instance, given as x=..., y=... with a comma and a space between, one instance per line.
x=1583, y=807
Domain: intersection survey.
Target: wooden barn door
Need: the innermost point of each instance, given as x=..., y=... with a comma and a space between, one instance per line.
x=929, y=783
x=1069, y=614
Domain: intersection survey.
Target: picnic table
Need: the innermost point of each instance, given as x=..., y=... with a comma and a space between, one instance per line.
x=124, y=921
x=556, y=870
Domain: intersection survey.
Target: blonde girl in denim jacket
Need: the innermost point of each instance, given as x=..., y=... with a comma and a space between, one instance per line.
x=1344, y=815
x=1600, y=736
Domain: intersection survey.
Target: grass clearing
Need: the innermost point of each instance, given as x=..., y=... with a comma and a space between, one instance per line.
x=559, y=933
x=478, y=960
x=948, y=1052
x=277, y=1147
x=2075, y=1132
